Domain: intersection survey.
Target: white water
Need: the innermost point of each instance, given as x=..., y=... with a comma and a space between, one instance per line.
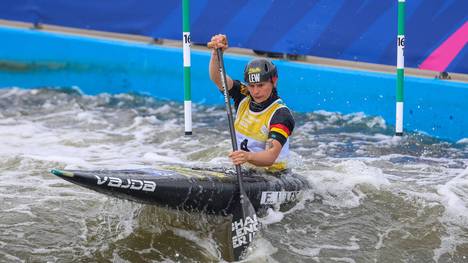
x=382, y=198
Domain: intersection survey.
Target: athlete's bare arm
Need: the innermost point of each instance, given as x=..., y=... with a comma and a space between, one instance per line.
x=218, y=41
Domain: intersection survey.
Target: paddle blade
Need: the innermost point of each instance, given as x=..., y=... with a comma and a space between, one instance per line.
x=244, y=226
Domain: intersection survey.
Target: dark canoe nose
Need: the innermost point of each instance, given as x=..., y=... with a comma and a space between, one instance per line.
x=62, y=174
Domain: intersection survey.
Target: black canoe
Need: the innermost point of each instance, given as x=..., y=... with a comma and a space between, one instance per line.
x=189, y=189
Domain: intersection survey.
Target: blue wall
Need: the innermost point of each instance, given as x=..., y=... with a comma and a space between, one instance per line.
x=357, y=30
x=30, y=58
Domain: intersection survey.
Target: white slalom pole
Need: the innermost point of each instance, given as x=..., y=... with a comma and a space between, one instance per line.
x=400, y=68
x=187, y=79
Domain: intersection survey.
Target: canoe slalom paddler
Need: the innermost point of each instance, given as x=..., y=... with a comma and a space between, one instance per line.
x=263, y=122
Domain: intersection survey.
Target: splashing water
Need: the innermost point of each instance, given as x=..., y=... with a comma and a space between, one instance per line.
x=381, y=198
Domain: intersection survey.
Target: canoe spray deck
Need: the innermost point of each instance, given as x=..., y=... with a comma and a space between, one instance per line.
x=208, y=191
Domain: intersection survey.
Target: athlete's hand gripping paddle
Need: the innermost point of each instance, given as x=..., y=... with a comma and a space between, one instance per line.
x=244, y=220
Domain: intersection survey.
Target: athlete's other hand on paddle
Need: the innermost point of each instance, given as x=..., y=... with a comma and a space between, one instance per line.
x=239, y=157
x=263, y=123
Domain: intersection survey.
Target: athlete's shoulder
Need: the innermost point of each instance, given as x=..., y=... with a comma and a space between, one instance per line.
x=283, y=115
x=240, y=87
x=238, y=92
x=283, y=109
x=243, y=88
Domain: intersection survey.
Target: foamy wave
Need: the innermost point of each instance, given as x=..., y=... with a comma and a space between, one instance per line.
x=340, y=186
x=454, y=196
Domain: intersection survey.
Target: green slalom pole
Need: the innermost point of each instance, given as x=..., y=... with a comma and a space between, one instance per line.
x=400, y=68
x=187, y=80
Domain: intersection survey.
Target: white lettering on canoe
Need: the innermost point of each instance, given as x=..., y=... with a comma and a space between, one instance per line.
x=134, y=184
x=272, y=197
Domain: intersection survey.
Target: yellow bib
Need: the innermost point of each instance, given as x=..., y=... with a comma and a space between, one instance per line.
x=252, y=130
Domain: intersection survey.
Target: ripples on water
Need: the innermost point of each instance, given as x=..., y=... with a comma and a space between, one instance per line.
x=382, y=198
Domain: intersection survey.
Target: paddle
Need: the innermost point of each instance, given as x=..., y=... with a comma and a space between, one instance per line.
x=244, y=220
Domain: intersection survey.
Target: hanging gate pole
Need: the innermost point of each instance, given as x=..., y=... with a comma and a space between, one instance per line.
x=400, y=68
x=187, y=80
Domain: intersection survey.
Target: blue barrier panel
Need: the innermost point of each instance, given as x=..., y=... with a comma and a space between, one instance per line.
x=357, y=30
x=30, y=59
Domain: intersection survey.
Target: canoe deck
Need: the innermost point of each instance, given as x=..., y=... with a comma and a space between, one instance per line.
x=208, y=191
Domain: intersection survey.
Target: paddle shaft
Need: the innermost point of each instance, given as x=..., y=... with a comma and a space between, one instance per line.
x=222, y=72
